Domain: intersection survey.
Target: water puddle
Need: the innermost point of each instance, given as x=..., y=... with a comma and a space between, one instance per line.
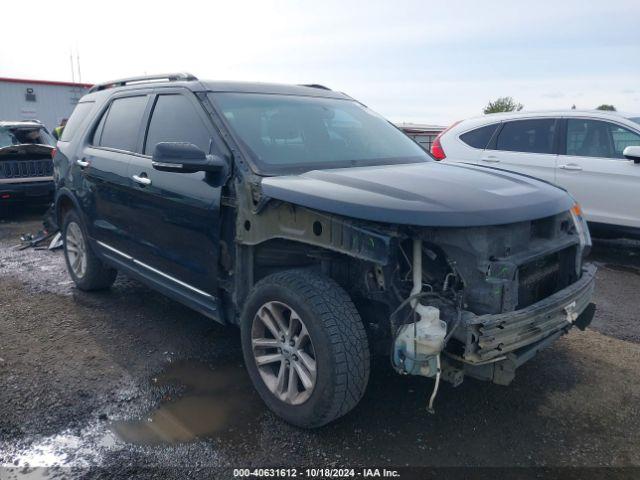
x=217, y=402
x=64, y=455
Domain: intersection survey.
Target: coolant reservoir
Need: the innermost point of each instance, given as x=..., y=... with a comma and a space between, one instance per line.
x=418, y=344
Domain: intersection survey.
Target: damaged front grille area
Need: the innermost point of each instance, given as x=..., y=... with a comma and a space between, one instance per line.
x=26, y=168
x=509, y=267
x=545, y=276
x=492, y=336
x=521, y=283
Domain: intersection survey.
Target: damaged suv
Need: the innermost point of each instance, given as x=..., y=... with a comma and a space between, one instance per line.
x=322, y=231
x=26, y=149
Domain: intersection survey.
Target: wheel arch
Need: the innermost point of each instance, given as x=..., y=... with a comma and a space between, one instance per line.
x=65, y=201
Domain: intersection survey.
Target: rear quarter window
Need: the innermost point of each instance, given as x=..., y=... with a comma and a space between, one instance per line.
x=479, y=137
x=77, y=118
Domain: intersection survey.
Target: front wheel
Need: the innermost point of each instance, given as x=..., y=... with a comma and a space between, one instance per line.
x=305, y=347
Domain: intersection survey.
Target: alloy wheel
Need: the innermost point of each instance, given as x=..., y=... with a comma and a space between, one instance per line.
x=283, y=352
x=76, y=249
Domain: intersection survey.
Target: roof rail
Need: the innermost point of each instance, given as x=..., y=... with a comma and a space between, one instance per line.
x=170, y=77
x=314, y=85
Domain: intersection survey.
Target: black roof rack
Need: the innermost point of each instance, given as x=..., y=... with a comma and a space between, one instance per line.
x=315, y=85
x=169, y=77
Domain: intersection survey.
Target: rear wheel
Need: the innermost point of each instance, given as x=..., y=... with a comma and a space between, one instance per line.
x=305, y=347
x=85, y=268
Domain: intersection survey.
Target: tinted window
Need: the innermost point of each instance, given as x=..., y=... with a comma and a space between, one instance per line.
x=595, y=138
x=175, y=119
x=294, y=133
x=123, y=123
x=623, y=138
x=77, y=117
x=532, y=136
x=480, y=137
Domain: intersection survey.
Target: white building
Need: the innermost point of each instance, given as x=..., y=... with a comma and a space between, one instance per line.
x=422, y=133
x=43, y=100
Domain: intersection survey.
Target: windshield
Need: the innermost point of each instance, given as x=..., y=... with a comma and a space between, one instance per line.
x=285, y=133
x=24, y=136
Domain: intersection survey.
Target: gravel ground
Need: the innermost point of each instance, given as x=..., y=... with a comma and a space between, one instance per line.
x=130, y=379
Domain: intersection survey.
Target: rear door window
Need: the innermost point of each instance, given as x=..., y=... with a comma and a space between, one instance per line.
x=123, y=122
x=175, y=119
x=479, y=137
x=77, y=118
x=530, y=136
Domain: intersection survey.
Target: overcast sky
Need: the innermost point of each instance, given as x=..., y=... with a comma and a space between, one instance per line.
x=430, y=62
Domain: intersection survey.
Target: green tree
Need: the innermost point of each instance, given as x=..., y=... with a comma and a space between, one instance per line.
x=609, y=108
x=503, y=104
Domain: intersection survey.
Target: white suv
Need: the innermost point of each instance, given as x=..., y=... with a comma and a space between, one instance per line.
x=595, y=155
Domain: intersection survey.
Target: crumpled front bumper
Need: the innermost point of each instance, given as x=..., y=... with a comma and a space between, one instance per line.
x=497, y=344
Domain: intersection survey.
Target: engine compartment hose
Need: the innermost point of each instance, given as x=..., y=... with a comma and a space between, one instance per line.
x=430, y=408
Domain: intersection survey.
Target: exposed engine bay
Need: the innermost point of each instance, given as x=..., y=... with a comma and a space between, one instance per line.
x=484, y=297
x=441, y=302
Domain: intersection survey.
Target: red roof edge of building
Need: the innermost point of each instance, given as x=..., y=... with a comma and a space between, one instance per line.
x=45, y=82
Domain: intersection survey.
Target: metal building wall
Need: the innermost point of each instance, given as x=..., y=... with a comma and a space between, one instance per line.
x=52, y=102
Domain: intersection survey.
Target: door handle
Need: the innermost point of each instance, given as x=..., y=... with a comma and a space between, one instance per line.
x=142, y=180
x=571, y=166
x=82, y=163
x=490, y=159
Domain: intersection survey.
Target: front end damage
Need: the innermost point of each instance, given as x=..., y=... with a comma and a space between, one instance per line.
x=512, y=290
x=440, y=302
x=491, y=347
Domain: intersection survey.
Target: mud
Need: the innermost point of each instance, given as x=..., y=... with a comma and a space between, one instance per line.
x=106, y=384
x=214, y=401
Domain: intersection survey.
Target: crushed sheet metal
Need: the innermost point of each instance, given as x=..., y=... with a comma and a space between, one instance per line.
x=287, y=221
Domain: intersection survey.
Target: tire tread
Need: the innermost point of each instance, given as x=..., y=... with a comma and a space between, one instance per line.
x=341, y=320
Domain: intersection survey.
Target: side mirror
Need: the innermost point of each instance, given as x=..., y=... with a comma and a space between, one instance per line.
x=632, y=153
x=184, y=157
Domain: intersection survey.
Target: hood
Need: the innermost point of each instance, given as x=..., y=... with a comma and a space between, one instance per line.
x=429, y=194
x=26, y=150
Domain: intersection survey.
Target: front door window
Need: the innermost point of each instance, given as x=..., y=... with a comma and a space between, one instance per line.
x=596, y=138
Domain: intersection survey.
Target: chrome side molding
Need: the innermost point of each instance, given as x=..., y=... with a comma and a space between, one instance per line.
x=154, y=270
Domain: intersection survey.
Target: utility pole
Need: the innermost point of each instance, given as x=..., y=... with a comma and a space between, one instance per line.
x=73, y=75
x=78, y=65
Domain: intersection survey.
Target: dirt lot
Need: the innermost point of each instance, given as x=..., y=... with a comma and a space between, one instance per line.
x=128, y=378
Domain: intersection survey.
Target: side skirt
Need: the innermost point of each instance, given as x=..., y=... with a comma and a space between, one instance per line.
x=202, y=302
